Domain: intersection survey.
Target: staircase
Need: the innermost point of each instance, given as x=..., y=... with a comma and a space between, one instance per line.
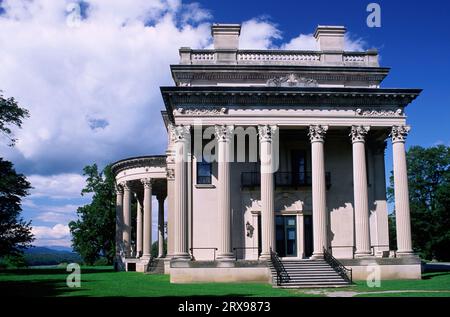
x=307, y=274
x=156, y=266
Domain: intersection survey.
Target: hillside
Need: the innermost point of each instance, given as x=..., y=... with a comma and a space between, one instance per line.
x=49, y=256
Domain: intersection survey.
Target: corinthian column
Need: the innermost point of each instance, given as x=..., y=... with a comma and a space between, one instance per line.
x=224, y=136
x=161, y=225
x=267, y=154
x=147, y=244
x=126, y=233
x=138, y=227
x=181, y=138
x=361, y=203
x=119, y=220
x=317, y=137
x=402, y=215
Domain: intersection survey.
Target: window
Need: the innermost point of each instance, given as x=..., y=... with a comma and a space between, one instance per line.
x=204, y=172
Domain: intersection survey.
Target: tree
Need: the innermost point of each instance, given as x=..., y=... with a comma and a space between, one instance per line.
x=429, y=194
x=93, y=234
x=11, y=114
x=15, y=233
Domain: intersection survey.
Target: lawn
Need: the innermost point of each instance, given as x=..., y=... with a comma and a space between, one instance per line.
x=103, y=281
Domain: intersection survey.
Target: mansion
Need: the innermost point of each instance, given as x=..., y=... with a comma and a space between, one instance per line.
x=274, y=169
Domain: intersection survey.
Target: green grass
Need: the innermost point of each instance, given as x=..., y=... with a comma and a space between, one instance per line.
x=103, y=281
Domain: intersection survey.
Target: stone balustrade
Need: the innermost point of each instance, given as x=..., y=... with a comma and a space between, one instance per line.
x=190, y=56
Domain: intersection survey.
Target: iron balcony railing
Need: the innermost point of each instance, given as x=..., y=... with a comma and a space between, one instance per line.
x=282, y=179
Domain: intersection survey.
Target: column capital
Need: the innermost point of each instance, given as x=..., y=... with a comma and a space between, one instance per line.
x=125, y=185
x=119, y=189
x=359, y=133
x=224, y=133
x=399, y=133
x=147, y=182
x=317, y=133
x=266, y=132
x=179, y=133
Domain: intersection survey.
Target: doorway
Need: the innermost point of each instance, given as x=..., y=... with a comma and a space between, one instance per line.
x=286, y=236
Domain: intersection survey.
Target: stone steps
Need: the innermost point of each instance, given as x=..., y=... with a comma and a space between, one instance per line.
x=156, y=267
x=308, y=274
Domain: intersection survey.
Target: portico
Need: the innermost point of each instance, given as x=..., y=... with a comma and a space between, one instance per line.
x=138, y=179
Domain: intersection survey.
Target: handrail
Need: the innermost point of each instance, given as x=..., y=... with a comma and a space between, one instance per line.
x=344, y=272
x=282, y=275
x=243, y=248
x=203, y=248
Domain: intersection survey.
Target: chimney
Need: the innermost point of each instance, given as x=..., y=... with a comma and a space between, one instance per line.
x=226, y=36
x=330, y=38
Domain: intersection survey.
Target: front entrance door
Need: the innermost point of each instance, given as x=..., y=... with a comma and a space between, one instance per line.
x=286, y=235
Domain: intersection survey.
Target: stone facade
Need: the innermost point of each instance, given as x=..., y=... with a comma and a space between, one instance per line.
x=271, y=151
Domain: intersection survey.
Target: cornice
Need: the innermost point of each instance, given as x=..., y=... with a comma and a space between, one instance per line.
x=141, y=161
x=218, y=97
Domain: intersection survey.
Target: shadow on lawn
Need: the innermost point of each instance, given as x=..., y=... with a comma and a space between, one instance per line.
x=428, y=276
x=54, y=285
x=34, y=288
x=52, y=271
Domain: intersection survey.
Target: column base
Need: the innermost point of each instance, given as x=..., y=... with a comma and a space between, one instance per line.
x=181, y=257
x=264, y=256
x=225, y=257
x=405, y=254
x=316, y=256
x=363, y=254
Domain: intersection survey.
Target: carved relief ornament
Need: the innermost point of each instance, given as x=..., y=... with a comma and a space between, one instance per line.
x=291, y=80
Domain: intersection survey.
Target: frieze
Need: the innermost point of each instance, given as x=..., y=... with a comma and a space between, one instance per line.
x=201, y=111
x=291, y=80
x=379, y=113
x=144, y=161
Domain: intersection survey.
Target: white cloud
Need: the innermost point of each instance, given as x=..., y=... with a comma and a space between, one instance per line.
x=107, y=70
x=58, y=231
x=60, y=186
x=93, y=89
x=309, y=43
x=258, y=34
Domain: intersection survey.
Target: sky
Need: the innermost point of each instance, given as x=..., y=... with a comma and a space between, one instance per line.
x=89, y=72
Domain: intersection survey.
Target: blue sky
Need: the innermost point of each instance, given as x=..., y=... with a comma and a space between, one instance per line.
x=91, y=85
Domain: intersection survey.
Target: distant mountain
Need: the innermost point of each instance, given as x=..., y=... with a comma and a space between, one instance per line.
x=59, y=248
x=50, y=256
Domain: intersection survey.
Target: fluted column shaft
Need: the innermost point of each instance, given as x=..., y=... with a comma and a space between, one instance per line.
x=161, y=226
x=126, y=233
x=402, y=212
x=119, y=220
x=267, y=190
x=147, y=236
x=138, y=227
x=181, y=135
x=361, y=203
x=317, y=138
x=223, y=136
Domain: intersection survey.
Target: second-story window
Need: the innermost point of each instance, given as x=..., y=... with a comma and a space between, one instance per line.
x=204, y=172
